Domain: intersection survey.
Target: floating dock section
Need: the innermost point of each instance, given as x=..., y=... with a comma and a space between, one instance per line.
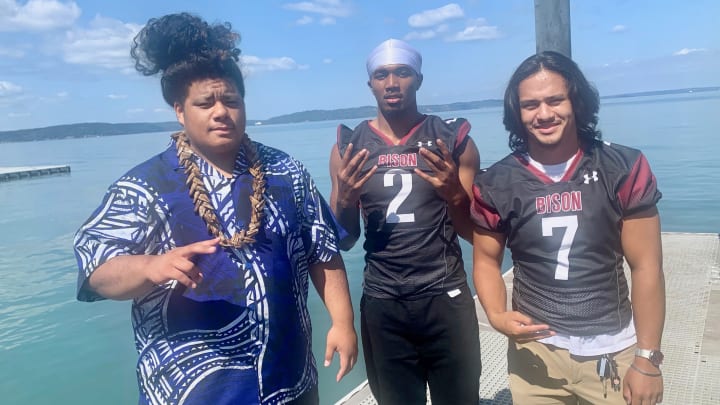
x=691, y=338
x=24, y=172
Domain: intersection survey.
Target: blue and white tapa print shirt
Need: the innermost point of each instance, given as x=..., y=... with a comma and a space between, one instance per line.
x=244, y=335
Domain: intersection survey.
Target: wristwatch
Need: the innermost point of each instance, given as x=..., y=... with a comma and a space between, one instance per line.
x=655, y=356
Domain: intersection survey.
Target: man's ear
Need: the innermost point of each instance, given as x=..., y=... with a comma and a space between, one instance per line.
x=419, y=81
x=369, y=85
x=179, y=113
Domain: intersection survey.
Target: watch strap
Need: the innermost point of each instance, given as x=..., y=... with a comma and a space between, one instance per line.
x=654, y=356
x=645, y=353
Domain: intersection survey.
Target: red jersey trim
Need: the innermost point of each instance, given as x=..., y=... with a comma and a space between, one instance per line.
x=462, y=133
x=338, y=134
x=482, y=213
x=404, y=139
x=639, y=183
x=544, y=177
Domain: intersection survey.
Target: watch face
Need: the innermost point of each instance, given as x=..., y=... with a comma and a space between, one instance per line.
x=656, y=357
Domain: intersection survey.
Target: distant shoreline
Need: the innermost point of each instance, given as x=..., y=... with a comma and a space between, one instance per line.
x=96, y=129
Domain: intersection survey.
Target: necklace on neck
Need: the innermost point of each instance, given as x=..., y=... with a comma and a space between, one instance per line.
x=201, y=199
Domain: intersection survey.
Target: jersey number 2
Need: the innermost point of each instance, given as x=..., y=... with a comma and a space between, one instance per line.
x=392, y=216
x=570, y=224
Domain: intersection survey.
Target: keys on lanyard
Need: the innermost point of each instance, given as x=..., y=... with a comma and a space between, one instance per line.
x=607, y=370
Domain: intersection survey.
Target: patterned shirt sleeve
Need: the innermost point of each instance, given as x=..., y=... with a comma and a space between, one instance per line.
x=319, y=227
x=121, y=225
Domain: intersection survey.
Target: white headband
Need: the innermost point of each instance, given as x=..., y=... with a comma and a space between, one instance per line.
x=394, y=52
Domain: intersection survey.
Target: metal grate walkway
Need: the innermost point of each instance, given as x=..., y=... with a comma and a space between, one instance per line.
x=691, y=339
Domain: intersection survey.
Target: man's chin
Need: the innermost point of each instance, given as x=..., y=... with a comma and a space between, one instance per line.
x=392, y=110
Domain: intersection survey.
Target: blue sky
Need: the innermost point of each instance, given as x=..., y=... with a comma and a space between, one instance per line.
x=66, y=61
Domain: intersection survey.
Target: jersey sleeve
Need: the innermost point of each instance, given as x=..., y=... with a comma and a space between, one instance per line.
x=639, y=189
x=344, y=137
x=119, y=226
x=461, y=128
x=482, y=211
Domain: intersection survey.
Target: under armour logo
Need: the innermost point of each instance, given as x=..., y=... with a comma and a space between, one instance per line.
x=421, y=144
x=594, y=177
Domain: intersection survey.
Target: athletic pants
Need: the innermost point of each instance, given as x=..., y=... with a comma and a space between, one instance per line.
x=431, y=341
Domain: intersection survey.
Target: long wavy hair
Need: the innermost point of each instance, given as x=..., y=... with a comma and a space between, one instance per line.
x=583, y=97
x=186, y=49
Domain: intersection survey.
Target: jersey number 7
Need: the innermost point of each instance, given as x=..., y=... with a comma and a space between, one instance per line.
x=570, y=224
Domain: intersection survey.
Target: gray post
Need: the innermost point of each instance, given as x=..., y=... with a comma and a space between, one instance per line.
x=552, y=26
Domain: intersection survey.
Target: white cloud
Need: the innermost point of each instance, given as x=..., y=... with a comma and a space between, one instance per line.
x=11, y=53
x=327, y=60
x=59, y=97
x=18, y=115
x=436, y=16
x=619, y=28
x=117, y=96
x=304, y=20
x=687, y=51
x=476, y=30
x=106, y=44
x=441, y=28
x=135, y=110
x=37, y=15
x=11, y=95
x=328, y=21
x=328, y=8
x=9, y=89
x=252, y=64
x=162, y=110
x=428, y=34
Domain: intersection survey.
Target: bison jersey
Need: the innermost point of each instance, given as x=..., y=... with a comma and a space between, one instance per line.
x=565, y=236
x=412, y=249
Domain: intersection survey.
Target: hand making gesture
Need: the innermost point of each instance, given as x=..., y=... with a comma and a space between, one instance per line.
x=349, y=178
x=446, y=179
x=519, y=327
x=132, y=276
x=177, y=264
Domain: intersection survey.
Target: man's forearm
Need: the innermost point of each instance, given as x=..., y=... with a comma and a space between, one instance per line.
x=648, y=301
x=490, y=289
x=331, y=282
x=487, y=275
x=121, y=278
x=459, y=209
x=349, y=219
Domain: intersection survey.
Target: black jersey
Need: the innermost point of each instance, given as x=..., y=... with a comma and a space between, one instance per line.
x=412, y=249
x=565, y=236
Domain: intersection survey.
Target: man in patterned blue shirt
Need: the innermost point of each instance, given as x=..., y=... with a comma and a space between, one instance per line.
x=213, y=240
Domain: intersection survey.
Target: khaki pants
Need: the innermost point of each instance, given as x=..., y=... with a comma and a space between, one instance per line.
x=545, y=374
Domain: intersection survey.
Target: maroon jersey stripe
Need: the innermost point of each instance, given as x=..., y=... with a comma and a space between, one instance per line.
x=639, y=186
x=484, y=215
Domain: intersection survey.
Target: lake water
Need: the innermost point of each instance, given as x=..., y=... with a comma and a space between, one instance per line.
x=55, y=350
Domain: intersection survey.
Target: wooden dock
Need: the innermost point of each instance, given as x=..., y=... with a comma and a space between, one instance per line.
x=691, y=339
x=24, y=172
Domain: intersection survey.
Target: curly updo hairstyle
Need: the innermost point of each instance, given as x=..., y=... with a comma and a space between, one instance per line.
x=186, y=49
x=583, y=97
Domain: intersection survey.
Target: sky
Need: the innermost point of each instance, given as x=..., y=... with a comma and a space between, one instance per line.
x=64, y=62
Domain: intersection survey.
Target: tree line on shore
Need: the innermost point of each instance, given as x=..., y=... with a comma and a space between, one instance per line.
x=95, y=129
